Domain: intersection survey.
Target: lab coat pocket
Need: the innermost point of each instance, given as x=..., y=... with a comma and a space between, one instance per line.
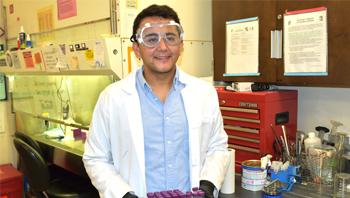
x=205, y=130
x=205, y=123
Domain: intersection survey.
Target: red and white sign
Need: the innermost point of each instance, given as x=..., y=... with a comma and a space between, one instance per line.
x=2, y=32
x=11, y=9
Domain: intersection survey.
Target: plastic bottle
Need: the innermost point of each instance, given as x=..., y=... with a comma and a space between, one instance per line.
x=312, y=140
x=29, y=42
x=18, y=43
x=22, y=38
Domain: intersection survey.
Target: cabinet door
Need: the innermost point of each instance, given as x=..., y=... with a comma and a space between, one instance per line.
x=338, y=43
x=239, y=9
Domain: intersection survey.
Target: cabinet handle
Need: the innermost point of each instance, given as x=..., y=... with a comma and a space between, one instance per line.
x=242, y=138
x=239, y=109
x=222, y=102
x=243, y=148
x=241, y=119
x=241, y=129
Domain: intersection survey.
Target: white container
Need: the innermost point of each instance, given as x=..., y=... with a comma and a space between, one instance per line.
x=312, y=140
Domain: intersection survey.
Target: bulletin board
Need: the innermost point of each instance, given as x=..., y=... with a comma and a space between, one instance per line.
x=19, y=13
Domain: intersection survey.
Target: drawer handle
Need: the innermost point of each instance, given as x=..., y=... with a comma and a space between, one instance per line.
x=243, y=138
x=238, y=109
x=222, y=102
x=241, y=129
x=244, y=148
x=241, y=119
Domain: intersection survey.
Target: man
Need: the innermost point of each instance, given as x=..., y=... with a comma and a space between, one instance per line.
x=158, y=129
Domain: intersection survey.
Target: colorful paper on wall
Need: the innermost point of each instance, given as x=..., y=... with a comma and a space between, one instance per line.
x=28, y=59
x=46, y=22
x=66, y=9
x=89, y=54
x=37, y=59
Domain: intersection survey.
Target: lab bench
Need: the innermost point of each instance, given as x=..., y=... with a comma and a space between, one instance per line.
x=69, y=154
x=298, y=190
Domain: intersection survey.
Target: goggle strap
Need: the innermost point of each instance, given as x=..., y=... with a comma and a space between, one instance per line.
x=133, y=38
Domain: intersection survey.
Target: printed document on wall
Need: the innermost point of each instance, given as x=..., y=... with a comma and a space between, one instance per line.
x=305, y=43
x=242, y=47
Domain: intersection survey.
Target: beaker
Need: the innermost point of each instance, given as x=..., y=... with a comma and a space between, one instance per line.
x=345, y=163
x=341, y=185
x=335, y=168
x=321, y=160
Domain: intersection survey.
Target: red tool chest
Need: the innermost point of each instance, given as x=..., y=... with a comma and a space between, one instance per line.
x=11, y=182
x=248, y=116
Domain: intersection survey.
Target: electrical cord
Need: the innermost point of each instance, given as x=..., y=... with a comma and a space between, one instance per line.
x=59, y=96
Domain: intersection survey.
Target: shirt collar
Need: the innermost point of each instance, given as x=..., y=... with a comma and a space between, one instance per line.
x=145, y=86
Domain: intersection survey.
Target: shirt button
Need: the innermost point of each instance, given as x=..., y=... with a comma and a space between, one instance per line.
x=167, y=118
x=170, y=166
x=168, y=142
x=145, y=91
x=155, y=99
x=175, y=86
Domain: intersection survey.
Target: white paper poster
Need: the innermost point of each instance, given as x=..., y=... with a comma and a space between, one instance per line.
x=242, y=47
x=305, y=43
x=50, y=58
x=98, y=54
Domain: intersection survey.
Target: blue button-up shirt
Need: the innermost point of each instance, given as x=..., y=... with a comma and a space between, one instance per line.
x=166, y=137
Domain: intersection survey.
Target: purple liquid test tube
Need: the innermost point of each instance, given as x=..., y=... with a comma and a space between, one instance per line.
x=194, y=189
x=188, y=194
x=195, y=195
x=201, y=194
x=150, y=195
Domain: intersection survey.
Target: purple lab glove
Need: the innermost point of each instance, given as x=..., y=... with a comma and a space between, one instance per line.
x=207, y=187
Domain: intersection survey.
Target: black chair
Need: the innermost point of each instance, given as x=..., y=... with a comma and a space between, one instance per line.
x=39, y=177
x=56, y=172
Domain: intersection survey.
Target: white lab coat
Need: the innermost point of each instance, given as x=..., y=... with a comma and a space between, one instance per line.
x=114, y=155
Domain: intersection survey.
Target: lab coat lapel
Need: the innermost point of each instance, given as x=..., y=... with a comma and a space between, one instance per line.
x=190, y=108
x=133, y=110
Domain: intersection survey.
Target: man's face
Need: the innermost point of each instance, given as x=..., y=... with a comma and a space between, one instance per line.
x=162, y=58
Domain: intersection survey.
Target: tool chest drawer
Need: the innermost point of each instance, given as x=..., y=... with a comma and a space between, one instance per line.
x=237, y=140
x=248, y=116
x=242, y=131
x=239, y=112
x=245, y=122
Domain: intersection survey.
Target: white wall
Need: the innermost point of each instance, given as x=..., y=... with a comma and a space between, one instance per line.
x=317, y=106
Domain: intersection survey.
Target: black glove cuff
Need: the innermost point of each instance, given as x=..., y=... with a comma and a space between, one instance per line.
x=129, y=195
x=206, y=186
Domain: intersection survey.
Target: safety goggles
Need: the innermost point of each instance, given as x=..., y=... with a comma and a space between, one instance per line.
x=151, y=34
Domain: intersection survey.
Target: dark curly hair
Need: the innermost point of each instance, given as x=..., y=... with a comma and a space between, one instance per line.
x=154, y=10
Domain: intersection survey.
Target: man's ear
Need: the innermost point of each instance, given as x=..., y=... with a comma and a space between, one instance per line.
x=136, y=48
x=181, y=47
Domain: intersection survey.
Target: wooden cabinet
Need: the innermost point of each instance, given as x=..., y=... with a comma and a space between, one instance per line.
x=272, y=70
x=248, y=117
